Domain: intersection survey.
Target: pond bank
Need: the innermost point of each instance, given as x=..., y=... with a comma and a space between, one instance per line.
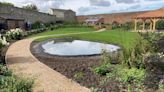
x=78, y=68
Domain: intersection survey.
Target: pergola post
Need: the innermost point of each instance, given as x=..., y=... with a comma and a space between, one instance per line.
x=135, y=25
x=143, y=25
x=154, y=23
x=151, y=25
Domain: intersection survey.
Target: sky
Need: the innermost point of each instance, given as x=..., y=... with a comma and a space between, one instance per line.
x=89, y=7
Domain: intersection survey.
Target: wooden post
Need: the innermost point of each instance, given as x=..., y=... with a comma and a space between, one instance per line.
x=154, y=24
x=135, y=25
x=143, y=25
x=151, y=25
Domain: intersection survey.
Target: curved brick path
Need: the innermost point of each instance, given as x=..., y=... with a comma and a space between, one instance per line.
x=22, y=62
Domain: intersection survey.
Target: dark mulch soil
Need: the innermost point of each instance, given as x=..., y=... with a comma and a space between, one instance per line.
x=79, y=68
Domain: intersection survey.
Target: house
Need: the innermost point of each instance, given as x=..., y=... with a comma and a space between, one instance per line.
x=8, y=21
x=94, y=21
x=64, y=15
x=112, y=18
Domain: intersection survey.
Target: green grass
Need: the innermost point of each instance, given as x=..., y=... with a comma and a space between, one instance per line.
x=118, y=37
x=64, y=31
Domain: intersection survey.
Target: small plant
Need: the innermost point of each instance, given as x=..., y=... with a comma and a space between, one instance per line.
x=128, y=76
x=4, y=71
x=14, y=34
x=133, y=75
x=78, y=75
x=95, y=89
x=103, y=69
x=104, y=81
x=161, y=86
x=3, y=41
x=12, y=83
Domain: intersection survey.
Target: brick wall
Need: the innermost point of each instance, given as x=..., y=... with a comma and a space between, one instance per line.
x=110, y=18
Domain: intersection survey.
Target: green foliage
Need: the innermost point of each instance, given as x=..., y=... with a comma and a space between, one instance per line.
x=128, y=26
x=95, y=89
x=152, y=39
x=135, y=57
x=118, y=37
x=133, y=75
x=102, y=70
x=61, y=31
x=37, y=25
x=6, y=3
x=161, y=86
x=4, y=71
x=128, y=77
x=79, y=75
x=14, y=34
x=116, y=25
x=160, y=24
x=14, y=84
x=11, y=83
x=32, y=7
x=1, y=45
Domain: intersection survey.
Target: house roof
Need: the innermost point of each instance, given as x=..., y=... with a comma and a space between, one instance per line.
x=93, y=19
x=9, y=16
x=61, y=10
x=114, y=17
x=152, y=14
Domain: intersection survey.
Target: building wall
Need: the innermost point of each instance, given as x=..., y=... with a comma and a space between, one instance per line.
x=70, y=16
x=28, y=15
x=58, y=14
x=64, y=15
x=12, y=24
x=110, y=18
x=2, y=20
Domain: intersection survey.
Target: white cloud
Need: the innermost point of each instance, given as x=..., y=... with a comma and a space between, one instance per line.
x=92, y=6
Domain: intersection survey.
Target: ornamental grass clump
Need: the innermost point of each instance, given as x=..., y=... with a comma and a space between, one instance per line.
x=14, y=34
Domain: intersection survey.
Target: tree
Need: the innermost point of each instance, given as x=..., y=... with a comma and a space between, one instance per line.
x=6, y=3
x=31, y=7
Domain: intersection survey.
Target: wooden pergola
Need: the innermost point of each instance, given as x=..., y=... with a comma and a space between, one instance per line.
x=152, y=17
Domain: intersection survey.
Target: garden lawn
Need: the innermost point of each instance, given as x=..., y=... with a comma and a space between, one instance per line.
x=124, y=39
x=64, y=31
x=118, y=37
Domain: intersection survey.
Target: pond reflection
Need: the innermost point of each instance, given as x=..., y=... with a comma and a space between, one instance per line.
x=77, y=48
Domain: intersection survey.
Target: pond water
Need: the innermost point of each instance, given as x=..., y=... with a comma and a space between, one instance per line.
x=77, y=48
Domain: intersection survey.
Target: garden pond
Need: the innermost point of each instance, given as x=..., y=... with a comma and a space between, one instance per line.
x=77, y=48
